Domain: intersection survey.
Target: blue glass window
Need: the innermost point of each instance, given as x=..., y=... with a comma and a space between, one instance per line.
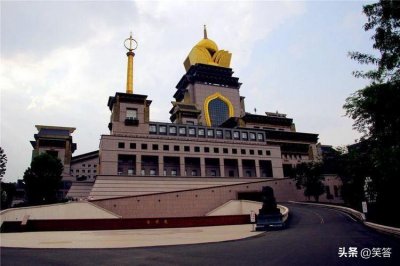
x=219, y=112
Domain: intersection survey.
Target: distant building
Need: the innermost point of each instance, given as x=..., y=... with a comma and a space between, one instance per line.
x=84, y=167
x=56, y=141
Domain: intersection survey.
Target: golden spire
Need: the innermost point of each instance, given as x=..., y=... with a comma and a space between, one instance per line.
x=132, y=46
x=205, y=32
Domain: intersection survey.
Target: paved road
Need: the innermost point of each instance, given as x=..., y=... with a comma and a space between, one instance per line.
x=313, y=238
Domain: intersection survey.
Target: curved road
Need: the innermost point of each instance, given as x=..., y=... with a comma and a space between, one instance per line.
x=313, y=237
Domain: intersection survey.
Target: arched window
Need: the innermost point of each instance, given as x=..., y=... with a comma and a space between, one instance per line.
x=219, y=111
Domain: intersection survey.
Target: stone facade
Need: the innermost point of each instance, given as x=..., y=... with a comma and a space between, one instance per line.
x=164, y=147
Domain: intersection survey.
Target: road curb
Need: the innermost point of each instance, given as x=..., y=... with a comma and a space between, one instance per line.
x=393, y=231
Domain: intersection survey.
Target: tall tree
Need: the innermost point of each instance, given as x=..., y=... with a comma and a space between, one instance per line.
x=353, y=165
x=42, y=179
x=309, y=176
x=375, y=107
x=3, y=162
x=383, y=17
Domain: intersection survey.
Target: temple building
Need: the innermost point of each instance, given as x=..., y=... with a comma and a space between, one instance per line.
x=211, y=140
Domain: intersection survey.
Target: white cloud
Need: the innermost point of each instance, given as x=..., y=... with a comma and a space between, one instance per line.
x=167, y=31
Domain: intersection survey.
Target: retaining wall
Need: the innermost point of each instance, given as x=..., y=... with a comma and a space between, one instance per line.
x=194, y=202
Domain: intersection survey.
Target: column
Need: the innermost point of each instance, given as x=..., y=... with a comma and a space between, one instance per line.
x=240, y=168
x=181, y=165
x=161, y=165
x=221, y=167
x=202, y=167
x=257, y=163
x=277, y=170
x=138, y=164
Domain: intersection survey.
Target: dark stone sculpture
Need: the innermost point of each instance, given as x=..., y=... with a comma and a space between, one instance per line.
x=269, y=215
x=269, y=202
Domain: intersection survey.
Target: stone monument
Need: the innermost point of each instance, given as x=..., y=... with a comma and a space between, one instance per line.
x=269, y=215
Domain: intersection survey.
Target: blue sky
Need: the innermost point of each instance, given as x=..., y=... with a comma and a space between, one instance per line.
x=61, y=60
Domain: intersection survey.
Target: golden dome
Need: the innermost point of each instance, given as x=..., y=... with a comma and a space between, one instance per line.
x=206, y=52
x=210, y=45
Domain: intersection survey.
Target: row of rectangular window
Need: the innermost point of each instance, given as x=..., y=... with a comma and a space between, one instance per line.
x=290, y=156
x=203, y=132
x=155, y=147
x=89, y=165
x=174, y=172
x=83, y=171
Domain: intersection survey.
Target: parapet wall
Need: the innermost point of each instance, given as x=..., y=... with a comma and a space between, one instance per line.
x=70, y=210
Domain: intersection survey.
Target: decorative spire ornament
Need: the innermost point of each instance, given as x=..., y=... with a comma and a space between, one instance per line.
x=132, y=46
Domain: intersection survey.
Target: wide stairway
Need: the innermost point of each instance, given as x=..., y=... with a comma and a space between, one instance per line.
x=120, y=186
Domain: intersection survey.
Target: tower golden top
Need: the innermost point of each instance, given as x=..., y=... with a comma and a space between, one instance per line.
x=206, y=52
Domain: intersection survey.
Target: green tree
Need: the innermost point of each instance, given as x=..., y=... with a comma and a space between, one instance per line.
x=7, y=192
x=309, y=176
x=43, y=178
x=375, y=108
x=353, y=166
x=3, y=162
x=383, y=17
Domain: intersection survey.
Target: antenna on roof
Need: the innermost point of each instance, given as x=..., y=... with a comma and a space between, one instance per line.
x=255, y=110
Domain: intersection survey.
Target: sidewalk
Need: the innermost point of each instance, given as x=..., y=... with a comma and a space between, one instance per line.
x=127, y=238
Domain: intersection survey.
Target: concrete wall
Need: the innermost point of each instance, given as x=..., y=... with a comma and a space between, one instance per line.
x=73, y=210
x=196, y=202
x=235, y=207
x=238, y=207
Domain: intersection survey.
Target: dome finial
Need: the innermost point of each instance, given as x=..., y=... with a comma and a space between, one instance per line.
x=205, y=32
x=131, y=45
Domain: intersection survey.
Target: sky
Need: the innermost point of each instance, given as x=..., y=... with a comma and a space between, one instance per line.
x=60, y=61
